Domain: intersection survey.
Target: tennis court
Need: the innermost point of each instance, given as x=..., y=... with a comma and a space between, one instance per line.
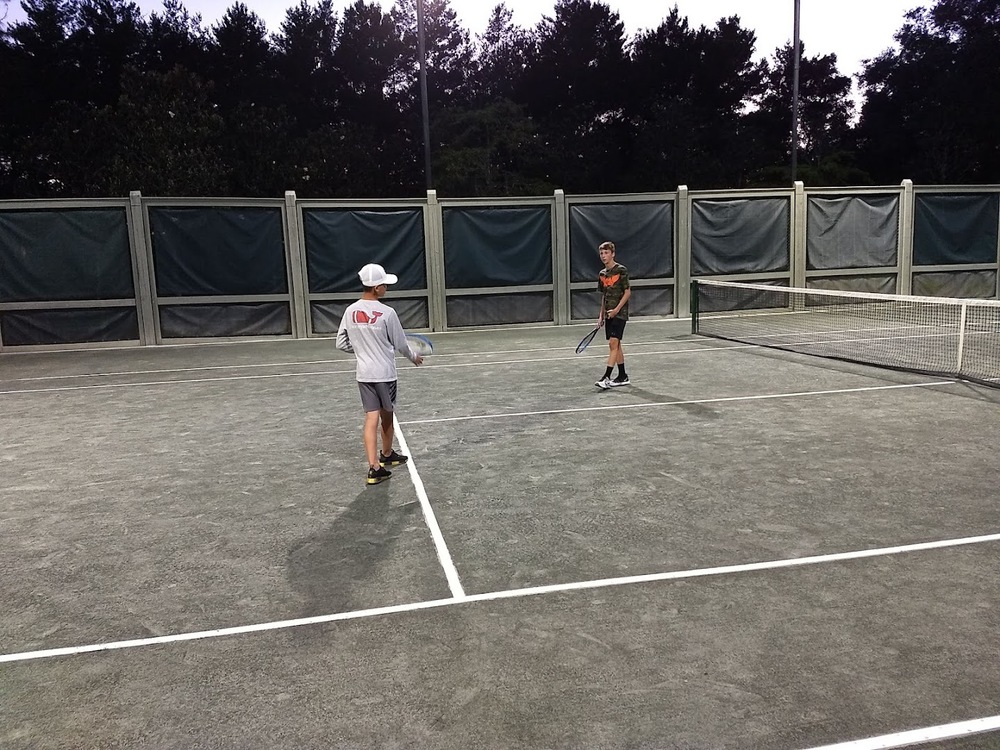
x=745, y=548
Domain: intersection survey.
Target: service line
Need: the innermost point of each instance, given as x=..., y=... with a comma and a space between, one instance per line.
x=497, y=595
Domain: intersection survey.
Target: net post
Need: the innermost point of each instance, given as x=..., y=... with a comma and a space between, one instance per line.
x=961, y=337
x=694, y=305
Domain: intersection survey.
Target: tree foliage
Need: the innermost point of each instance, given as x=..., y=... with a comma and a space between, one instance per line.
x=931, y=111
x=100, y=100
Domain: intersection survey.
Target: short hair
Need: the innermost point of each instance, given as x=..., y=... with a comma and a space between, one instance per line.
x=607, y=246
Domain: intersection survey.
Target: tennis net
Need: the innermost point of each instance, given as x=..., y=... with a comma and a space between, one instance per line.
x=937, y=336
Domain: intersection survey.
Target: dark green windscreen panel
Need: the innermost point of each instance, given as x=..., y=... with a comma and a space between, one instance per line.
x=952, y=229
x=65, y=254
x=218, y=251
x=852, y=232
x=34, y=327
x=643, y=234
x=340, y=241
x=740, y=236
x=200, y=321
x=486, y=247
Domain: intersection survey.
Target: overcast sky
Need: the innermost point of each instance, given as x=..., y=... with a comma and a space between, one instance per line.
x=853, y=29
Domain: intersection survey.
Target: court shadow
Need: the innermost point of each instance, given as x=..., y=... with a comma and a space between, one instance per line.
x=336, y=568
x=977, y=391
x=703, y=411
x=959, y=387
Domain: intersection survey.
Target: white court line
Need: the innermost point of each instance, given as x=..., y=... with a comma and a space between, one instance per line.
x=437, y=356
x=650, y=405
x=174, y=382
x=203, y=368
x=920, y=736
x=497, y=595
x=351, y=369
x=444, y=556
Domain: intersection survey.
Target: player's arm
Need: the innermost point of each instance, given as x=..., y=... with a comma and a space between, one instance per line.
x=397, y=337
x=343, y=340
x=600, y=291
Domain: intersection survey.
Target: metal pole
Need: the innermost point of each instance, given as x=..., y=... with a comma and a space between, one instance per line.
x=795, y=94
x=423, y=93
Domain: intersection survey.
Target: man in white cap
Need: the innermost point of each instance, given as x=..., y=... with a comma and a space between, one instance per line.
x=373, y=332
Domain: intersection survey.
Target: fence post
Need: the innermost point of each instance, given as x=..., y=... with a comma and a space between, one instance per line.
x=682, y=253
x=798, y=248
x=437, y=309
x=295, y=257
x=904, y=281
x=560, y=260
x=143, y=276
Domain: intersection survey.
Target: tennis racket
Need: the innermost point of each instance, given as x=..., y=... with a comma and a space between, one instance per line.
x=420, y=344
x=585, y=341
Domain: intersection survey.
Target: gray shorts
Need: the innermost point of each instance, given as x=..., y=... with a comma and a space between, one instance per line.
x=378, y=396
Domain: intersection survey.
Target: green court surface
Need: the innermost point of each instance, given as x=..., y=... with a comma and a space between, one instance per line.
x=744, y=548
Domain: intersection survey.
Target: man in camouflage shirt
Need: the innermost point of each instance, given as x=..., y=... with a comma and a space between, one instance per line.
x=615, y=291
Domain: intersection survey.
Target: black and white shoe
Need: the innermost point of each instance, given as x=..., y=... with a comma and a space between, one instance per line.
x=620, y=380
x=603, y=383
x=393, y=459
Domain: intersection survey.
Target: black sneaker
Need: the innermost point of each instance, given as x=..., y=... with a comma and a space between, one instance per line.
x=620, y=380
x=378, y=475
x=393, y=459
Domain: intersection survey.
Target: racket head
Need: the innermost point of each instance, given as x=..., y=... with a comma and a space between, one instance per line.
x=585, y=341
x=420, y=344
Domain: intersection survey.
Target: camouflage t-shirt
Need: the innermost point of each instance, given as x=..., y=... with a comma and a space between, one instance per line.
x=612, y=283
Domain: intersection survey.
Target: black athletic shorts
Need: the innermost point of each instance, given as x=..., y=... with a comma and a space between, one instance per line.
x=614, y=328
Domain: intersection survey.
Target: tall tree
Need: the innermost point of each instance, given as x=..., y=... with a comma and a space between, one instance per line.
x=107, y=38
x=448, y=52
x=689, y=92
x=174, y=37
x=927, y=113
x=573, y=86
x=369, y=151
x=241, y=59
x=484, y=145
x=166, y=135
x=503, y=52
x=825, y=111
x=306, y=65
x=41, y=75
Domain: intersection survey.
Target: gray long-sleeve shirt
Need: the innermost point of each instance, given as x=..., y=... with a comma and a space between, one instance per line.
x=373, y=332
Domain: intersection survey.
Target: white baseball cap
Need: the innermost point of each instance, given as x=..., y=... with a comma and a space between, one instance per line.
x=373, y=275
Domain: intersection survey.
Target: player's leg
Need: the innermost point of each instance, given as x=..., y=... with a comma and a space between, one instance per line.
x=388, y=456
x=372, y=401
x=605, y=380
x=621, y=378
x=371, y=438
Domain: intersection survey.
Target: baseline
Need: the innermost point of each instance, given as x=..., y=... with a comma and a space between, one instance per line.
x=920, y=736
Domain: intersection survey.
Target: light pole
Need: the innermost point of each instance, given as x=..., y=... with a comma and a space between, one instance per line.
x=795, y=93
x=423, y=92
